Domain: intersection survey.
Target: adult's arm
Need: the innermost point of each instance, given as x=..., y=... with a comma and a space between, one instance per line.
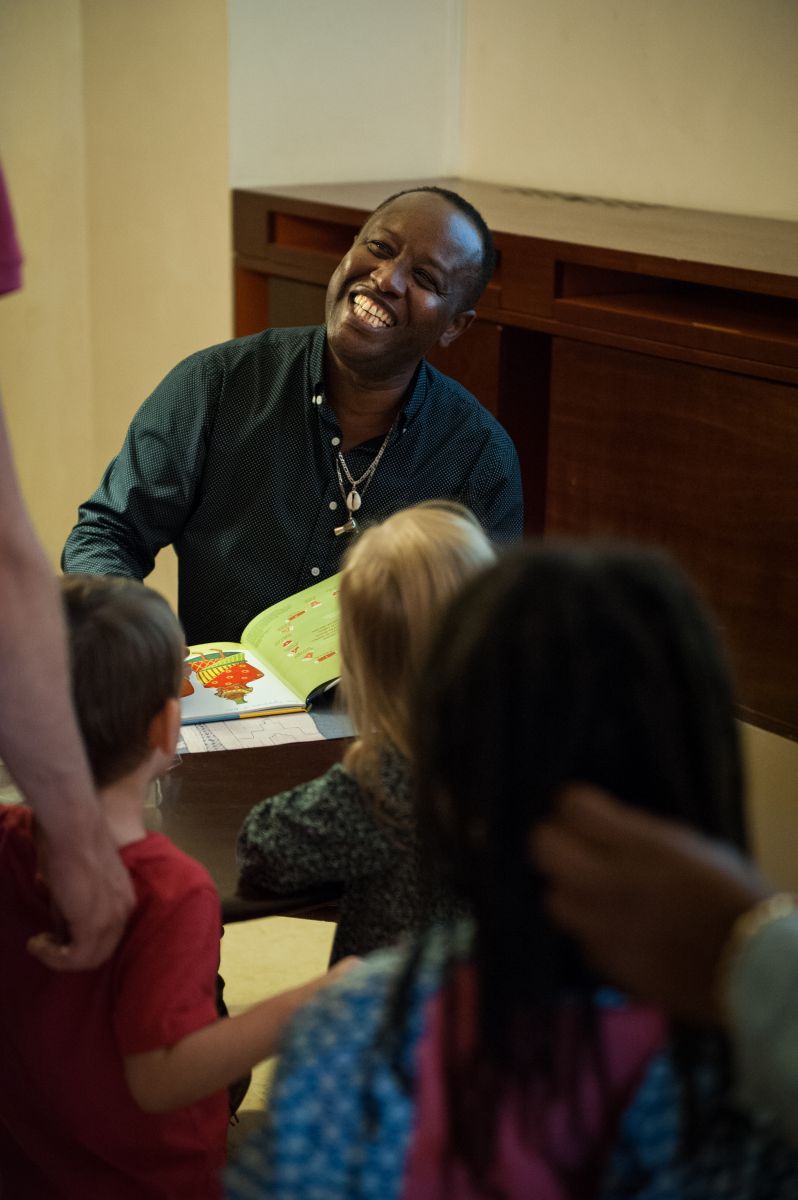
x=651, y=901
x=41, y=746
x=148, y=491
x=324, y=831
x=656, y=907
x=759, y=998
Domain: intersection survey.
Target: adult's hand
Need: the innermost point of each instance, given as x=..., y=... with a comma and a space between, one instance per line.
x=651, y=902
x=93, y=894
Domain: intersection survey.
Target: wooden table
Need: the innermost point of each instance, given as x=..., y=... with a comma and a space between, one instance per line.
x=644, y=359
x=205, y=799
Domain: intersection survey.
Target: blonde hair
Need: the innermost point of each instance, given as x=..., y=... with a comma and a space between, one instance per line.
x=396, y=582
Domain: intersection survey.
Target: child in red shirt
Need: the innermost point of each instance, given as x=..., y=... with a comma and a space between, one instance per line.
x=112, y=1081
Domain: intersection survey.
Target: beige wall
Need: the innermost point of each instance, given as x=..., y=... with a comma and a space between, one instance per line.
x=773, y=803
x=45, y=355
x=685, y=102
x=331, y=90
x=113, y=131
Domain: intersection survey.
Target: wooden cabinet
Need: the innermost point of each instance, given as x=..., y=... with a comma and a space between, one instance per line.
x=644, y=360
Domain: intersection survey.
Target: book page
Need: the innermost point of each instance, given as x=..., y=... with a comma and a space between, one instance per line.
x=241, y=735
x=299, y=637
x=226, y=681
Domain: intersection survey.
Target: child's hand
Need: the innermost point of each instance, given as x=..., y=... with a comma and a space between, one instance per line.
x=341, y=968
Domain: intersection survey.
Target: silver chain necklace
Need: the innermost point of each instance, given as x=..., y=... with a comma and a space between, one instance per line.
x=357, y=487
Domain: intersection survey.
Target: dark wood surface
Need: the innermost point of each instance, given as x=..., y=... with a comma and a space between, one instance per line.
x=205, y=799
x=690, y=237
x=693, y=465
x=644, y=360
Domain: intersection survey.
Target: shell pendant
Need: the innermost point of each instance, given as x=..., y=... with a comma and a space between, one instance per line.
x=353, y=500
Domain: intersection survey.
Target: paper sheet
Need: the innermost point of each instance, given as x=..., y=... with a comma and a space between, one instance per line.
x=242, y=735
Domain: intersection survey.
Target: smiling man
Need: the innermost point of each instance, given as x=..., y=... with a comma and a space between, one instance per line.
x=260, y=458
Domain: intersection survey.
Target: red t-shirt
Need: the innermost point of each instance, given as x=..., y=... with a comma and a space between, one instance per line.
x=68, y=1125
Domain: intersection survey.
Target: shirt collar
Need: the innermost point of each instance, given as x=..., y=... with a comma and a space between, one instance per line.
x=417, y=391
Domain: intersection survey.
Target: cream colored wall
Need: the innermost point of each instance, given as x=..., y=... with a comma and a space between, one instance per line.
x=688, y=102
x=324, y=92
x=158, y=200
x=45, y=354
x=773, y=803
x=113, y=131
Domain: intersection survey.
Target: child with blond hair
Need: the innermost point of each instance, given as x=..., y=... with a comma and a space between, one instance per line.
x=355, y=824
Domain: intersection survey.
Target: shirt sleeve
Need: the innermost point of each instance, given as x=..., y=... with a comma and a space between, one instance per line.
x=761, y=995
x=167, y=979
x=325, y=831
x=494, y=492
x=151, y=488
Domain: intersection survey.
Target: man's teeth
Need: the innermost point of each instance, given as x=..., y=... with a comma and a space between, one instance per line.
x=371, y=313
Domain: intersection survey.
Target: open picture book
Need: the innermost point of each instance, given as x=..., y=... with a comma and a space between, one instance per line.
x=287, y=657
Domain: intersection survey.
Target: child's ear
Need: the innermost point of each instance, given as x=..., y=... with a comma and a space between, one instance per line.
x=164, y=728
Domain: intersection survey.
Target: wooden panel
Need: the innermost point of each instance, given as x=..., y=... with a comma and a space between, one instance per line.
x=741, y=324
x=473, y=360
x=250, y=301
x=306, y=233
x=706, y=247
x=250, y=223
x=526, y=277
x=704, y=463
x=524, y=413
x=292, y=303
x=206, y=798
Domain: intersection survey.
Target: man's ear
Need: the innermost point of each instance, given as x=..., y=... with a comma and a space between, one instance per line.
x=164, y=728
x=459, y=325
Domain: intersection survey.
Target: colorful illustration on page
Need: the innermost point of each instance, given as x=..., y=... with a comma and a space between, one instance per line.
x=227, y=672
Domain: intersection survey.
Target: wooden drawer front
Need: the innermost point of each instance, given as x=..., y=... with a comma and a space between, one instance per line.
x=525, y=275
x=704, y=463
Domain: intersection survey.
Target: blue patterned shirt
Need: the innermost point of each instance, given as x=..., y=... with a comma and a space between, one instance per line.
x=341, y=1121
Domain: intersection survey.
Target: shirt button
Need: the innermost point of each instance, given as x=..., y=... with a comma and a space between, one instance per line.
x=315, y=571
x=336, y=441
x=333, y=504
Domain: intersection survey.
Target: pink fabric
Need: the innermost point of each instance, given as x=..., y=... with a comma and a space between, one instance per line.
x=630, y=1037
x=10, y=256
x=68, y=1125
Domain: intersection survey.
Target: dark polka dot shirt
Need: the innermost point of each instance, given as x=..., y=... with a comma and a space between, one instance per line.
x=232, y=461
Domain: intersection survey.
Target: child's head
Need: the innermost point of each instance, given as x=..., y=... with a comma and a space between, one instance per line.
x=395, y=584
x=567, y=662
x=561, y=663
x=126, y=650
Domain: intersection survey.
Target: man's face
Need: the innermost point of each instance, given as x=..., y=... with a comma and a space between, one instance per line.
x=399, y=291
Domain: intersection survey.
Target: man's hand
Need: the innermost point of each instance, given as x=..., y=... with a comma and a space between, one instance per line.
x=93, y=893
x=651, y=902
